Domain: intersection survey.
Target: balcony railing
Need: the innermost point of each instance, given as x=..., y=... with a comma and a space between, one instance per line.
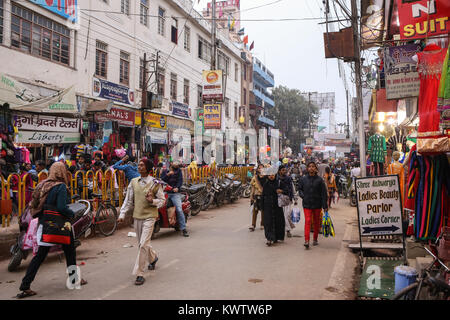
x=265, y=78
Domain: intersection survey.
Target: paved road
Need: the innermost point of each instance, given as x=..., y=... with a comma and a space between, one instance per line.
x=220, y=260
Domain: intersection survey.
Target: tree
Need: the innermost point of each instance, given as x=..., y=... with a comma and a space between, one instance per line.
x=292, y=114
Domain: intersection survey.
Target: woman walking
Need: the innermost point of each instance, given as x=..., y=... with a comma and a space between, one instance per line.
x=288, y=194
x=256, y=196
x=313, y=191
x=330, y=181
x=50, y=193
x=274, y=223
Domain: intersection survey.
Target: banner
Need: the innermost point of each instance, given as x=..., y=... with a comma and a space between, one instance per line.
x=46, y=123
x=212, y=116
x=123, y=117
x=379, y=205
x=67, y=9
x=421, y=18
x=372, y=22
x=180, y=109
x=402, y=79
x=155, y=120
x=212, y=85
x=47, y=137
x=112, y=91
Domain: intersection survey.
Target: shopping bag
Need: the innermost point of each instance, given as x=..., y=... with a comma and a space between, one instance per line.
x=53, y=228
x=327, y=225
x=295, y=215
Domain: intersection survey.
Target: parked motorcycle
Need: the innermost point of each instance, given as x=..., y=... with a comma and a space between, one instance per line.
x=234, y=187
x=81, y=222
x=216, y=193
x=197, y=194
x=247, y=188
x=163, y=220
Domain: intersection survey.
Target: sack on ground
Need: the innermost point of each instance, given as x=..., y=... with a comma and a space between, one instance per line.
x=295, y=215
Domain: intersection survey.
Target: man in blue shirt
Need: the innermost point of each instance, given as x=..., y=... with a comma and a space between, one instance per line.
x=130, y=168
x=174, y=178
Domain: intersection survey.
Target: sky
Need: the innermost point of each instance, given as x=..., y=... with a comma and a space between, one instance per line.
x=293, y=50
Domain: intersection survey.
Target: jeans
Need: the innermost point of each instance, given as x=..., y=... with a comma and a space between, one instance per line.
x=176, y=200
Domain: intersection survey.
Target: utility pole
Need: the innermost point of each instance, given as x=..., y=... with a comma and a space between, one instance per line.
x=362, y=141
x=348, y=124
x=213, y=34
x=309, y=113
x=143, y=105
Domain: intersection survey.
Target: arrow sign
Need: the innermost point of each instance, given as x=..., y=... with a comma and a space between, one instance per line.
x=370, y=230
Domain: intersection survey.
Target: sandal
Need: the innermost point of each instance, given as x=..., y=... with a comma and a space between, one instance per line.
x=25, y=294
x=83, y=282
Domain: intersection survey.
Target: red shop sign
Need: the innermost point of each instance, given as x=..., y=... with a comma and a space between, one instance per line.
x=123, y=117
x=421, y=18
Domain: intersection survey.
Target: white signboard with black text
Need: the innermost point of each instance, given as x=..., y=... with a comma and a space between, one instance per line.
x=379, y=205
x=41, y=137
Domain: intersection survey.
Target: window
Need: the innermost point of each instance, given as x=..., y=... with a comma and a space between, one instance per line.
x=161, y=21
x=101, y=59
x=173, y=86
x=199, y=96
x=144, y=12
x=174, y=31
x=38, y=35
x=204, y=49
x=244, y=69
x=125, y=7
x=187, y=39
x=1, y=21
x=186, y=91
x=223, y=62
x=124, y=68
x=227, y=107
x=245, y=96
x=235, y=111
x=162, y=83
x=236, y=70
x=141, y=73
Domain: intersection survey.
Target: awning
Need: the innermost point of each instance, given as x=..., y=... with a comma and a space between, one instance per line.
x=100, y=106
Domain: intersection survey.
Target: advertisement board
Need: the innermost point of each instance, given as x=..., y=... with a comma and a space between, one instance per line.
x=122, y=116
x=212, y=85
x=35, y=122
x=67, y=9
x=422, y=18
x=41, y=137
x=212, y=116
x=155, y=120
x=180, y=109
x=112, y=91
x=402, y=78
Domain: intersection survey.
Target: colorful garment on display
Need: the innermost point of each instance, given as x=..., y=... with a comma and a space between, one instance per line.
x=396, y=168
x=444, y=93
x=377, y=148
x=396, y=139
x=428, y=187
x=429, y=66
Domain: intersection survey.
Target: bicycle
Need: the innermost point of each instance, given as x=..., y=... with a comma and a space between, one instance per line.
x=106, y=214
x=432, y=279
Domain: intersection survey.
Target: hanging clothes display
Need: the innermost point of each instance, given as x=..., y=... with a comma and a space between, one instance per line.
x=429, y=66
x=377, y=152
x=428, y=188
x=444, y=93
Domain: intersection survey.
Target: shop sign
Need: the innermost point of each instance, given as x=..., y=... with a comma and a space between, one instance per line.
x=422, y=18
x=46, y=123
x=212, y=85
x=212, y=116
x=175, y=123
x=67, y=9
x=379, y=205
x=155, y=120
x=41, y=137
x=180, y=109
x=112, y=91
x=402, y=78
x=199, y=121
x=158, y=137
x=123, y=117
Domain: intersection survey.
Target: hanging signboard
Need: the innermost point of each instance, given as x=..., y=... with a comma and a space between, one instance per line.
x=46, y=123
x=402, y=78
x=379, y=205
x=123, y=117
x=67, y=9
x=422, y=18
x=212, y=116
x=155, y=120
x=212, y=85
x=180, y=109
x=372, y=22
x=112, y=91
x=41, y=137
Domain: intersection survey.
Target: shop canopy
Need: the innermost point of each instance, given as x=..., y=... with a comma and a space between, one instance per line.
x=100, y=106
x=20, y=97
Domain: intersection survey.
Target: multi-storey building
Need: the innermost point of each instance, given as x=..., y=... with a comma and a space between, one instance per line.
x=99, y=50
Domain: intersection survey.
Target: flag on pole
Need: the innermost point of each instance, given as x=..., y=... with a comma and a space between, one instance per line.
x=252, y=45
x=241, y=32
x=233, y=23
x=246, y=39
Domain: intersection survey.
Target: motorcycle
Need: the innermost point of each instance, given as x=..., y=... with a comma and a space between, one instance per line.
x=353, y=193
x=342, y=185
x=164, y=219
x=216, y=193
x=247, y=188
x=197, y=194
x=81, y=222
x=234, y=190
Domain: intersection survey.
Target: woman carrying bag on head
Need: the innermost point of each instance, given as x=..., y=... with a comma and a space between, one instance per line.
x=50, y=196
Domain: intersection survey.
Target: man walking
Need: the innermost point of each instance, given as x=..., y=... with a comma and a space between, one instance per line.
x=174, y=178
x=144, y=196
x=313, y=191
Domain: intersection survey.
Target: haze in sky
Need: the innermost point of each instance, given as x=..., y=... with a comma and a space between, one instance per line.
x=293, y=50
